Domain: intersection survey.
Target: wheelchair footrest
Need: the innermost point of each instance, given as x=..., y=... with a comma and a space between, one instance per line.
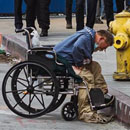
x=96, y=97
x=99, y=100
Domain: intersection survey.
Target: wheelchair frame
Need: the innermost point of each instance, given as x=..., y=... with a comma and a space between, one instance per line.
x=31, y=88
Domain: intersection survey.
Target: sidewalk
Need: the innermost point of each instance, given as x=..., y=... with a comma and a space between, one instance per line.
x=16, y=45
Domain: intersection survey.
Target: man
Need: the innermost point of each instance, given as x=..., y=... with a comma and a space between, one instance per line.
x=77, y=50
x=18, y=14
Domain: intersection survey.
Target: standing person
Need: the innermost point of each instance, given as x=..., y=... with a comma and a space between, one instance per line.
x=77, y=49
x=80, y=6
x=98, y=12
x=44, y=17
x=69, y=14
x=31, y=12
x=38, y=9
x=80, y=10
x=109, y=9
x=18, y=14
x=91, y=13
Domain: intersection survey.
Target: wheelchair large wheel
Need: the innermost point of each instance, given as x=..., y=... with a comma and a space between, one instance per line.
x=21, y=91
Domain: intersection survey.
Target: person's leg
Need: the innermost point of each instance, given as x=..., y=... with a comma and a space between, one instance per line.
x=102, y=9
x=98, y=13
x=99, y=80
x=69, y=14
x=44, y=16
x=30, y=13
x=92, y=75
x=119, y=5
x=91, y=14
x=18, y=14
x=84, y=109
x=80, y=6
x=109, y=11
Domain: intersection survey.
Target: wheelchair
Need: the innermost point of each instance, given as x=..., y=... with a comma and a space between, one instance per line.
x=40, y=84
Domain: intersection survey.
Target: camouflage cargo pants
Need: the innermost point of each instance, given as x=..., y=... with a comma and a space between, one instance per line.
x=92, y=74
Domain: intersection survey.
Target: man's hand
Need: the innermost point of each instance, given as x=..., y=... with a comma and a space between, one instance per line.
x=77, y=70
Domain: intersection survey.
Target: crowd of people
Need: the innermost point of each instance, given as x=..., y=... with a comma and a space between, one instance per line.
x=39, y=9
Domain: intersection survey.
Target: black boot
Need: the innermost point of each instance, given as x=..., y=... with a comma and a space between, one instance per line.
x=69, y=25
x=44, y=33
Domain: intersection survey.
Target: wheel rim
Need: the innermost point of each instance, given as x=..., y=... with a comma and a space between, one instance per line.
x=69, y=112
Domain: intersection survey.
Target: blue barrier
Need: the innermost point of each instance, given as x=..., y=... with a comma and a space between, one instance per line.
x=56, y=6
x=7, y=7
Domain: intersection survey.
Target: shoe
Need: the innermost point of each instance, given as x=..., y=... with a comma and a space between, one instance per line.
x=97, y=118
x=44, y=33
x=103, y=119
x=69, y=26
x=98, y=21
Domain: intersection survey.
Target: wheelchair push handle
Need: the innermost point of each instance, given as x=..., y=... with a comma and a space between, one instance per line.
x=27, y=31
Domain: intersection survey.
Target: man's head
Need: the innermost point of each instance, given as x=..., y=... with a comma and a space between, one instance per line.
x=104, y=39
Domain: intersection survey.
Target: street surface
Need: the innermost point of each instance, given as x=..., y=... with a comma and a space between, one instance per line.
x=51, y=121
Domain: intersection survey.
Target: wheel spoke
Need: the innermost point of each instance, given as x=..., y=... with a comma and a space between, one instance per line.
x=43, y=101
x=22, y=83
x=42, y=82
x=39, y=101
x=26, y=75
x=14, y=91
x=20, y=101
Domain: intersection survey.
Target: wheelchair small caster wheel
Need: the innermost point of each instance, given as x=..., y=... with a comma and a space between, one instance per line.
x=69, y=111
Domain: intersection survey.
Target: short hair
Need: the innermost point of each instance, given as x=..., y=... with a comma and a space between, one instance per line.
x=109, y=37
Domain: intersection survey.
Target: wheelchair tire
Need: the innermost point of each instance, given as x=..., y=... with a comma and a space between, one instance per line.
x=69, y=111
x=21, y=93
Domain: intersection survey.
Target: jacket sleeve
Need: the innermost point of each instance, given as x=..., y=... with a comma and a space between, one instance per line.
x=81, y=50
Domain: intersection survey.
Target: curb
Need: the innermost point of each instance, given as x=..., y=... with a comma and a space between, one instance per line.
x=122, y=106
x=18, y=48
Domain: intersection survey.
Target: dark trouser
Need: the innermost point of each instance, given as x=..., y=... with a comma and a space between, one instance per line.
x=80, y=5
x=109, y=11
x=44, y=14
x=120, y=5
x=18, y=13
x=31, y=13
x=69, y=11
x=39, y=8
x=91, y=12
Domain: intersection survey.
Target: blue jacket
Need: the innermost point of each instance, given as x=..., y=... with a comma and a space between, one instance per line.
x=77, y=47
